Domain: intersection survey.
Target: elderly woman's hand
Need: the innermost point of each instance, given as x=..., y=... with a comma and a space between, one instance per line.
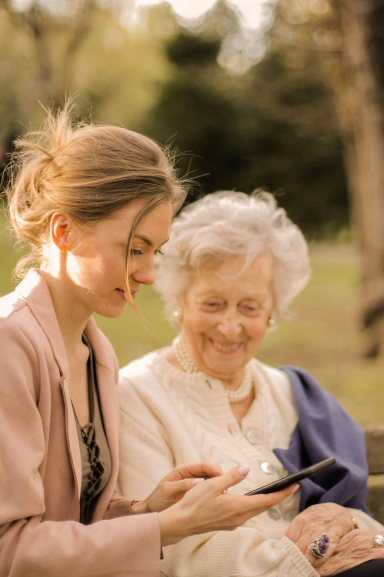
x=173, y=486
x=353, y=549
x=328, y=518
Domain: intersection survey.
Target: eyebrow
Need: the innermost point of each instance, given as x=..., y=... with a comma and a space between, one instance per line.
x=147, y=241
x=213, y=294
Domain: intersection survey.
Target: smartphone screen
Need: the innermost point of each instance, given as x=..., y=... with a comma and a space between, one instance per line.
x=294, y=478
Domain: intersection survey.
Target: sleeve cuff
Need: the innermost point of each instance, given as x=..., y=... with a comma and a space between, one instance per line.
x=302, y=566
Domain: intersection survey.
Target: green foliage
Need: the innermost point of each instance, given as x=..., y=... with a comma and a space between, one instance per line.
x=274, y=127
x=114, y=73
x=185, y=50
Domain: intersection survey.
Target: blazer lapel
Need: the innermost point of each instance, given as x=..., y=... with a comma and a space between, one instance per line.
x=35, y=292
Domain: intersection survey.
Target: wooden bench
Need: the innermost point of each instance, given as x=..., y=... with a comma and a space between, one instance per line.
x=374, y=438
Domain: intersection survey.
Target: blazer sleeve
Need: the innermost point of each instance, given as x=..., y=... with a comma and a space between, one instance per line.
x=246, y=551
x=29, y=546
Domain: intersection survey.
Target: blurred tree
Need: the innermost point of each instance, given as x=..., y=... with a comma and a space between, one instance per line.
x=361, y=103
x=272, y=127
x=87, y=48
x=72, y=22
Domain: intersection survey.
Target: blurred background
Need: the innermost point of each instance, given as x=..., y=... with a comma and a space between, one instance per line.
x=285, y=95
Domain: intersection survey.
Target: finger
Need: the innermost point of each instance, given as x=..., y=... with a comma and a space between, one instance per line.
x=272, y=499
x=295, y=530
x=175, y=489
x=229, y=479
x=194, y=470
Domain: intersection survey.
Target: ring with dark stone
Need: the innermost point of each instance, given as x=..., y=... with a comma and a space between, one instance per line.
x=319, y=546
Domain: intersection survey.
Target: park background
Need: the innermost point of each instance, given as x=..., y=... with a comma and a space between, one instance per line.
x=248, y=95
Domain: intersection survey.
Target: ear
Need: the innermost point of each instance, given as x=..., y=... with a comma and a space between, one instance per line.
x=60, y=229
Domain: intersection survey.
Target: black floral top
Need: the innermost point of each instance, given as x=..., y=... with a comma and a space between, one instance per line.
x=95, y=454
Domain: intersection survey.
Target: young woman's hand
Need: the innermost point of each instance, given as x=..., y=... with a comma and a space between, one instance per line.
x=207, y=507
x=173, y=486
x=329, y=518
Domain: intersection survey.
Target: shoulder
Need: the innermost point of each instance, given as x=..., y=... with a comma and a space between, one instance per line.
x=140, y=379
x=10, y=304
x=300, y=381
x=313, y=401
x=19, y=347
x=17, y=324
x=276, y=378
x=304, y=384
x=140, y=368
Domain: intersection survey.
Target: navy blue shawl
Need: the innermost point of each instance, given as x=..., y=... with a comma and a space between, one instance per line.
x=325, y=430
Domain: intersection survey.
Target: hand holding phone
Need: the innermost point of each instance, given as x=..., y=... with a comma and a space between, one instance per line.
x=294, y=478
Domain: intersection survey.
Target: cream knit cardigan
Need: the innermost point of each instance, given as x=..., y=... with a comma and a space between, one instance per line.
x=169, y=418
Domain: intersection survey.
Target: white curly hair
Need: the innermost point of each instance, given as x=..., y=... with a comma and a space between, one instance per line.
x=226, y=224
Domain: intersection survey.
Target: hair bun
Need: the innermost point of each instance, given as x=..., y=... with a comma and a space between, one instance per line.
x=65, y=167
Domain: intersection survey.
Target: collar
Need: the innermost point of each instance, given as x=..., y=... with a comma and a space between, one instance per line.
x=34, y=290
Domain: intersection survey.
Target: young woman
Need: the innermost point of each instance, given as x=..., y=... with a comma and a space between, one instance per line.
x=95, y=204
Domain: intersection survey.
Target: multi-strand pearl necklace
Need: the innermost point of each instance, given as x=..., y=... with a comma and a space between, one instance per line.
x=189, y=366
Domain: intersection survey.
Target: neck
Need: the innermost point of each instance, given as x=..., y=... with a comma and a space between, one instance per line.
x=234, y=382
x=71, y=313
x=181, y=358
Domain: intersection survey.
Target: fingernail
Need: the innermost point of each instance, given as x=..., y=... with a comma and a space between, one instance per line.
x=197, y=481
x=243, y=470
x=295, y=487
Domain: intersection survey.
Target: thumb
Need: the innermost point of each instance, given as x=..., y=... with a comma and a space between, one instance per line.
x=232, y=477
x=294, y=530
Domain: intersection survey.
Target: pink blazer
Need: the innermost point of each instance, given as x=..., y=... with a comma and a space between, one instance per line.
x=40, y=465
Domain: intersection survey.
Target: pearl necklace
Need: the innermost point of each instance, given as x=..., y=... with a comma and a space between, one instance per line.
x=187, y=364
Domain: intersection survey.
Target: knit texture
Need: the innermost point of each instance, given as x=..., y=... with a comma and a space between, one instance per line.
x=169, y=418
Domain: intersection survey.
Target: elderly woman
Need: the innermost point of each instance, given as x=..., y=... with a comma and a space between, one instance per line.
x=232, y=266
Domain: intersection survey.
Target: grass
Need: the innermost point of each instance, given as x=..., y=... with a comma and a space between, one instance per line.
x=323, y=335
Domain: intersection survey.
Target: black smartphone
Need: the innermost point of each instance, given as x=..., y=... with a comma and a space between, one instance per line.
x=294, y=478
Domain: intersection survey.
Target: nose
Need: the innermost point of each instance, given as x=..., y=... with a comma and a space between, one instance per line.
x=229, y=326
x=145, y=275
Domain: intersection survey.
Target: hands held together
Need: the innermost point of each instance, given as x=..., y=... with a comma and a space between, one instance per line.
x=348, y=546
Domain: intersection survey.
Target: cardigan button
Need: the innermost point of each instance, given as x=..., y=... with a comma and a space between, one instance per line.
x=253, y=436
x=267, y=468
x=274, y=514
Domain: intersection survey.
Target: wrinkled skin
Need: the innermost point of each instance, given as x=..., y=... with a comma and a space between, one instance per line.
x=348, y=547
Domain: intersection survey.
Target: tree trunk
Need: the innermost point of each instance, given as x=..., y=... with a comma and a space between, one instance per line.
x=362, y=118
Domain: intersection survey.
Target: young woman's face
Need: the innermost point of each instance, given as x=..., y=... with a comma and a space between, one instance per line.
x=225, y=315
x=96, y=266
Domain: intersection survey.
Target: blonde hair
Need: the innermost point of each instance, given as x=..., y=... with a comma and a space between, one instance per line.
x=225, y=224
x=88, y=172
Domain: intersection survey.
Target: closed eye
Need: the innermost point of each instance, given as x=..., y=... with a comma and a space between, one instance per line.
x=211, y=306
x=249, y=310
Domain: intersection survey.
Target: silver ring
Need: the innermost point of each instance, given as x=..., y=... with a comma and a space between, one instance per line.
x=319, y=546
x=379, y=540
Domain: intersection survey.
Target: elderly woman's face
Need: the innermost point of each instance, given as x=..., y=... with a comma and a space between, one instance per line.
x=225, y=315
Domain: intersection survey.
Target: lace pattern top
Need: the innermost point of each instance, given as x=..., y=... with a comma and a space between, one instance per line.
x=95, y=454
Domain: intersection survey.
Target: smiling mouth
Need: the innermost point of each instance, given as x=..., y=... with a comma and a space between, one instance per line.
x=227, y=348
